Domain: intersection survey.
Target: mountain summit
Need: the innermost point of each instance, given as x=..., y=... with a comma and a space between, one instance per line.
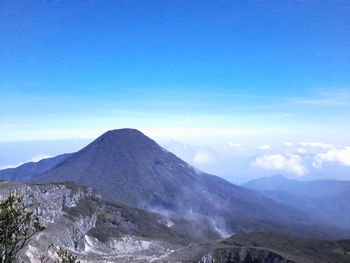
x=128, y=167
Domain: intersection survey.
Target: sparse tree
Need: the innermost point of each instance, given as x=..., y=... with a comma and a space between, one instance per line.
x=18, y=224
x=66, y=257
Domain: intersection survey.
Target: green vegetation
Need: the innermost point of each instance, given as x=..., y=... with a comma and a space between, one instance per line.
x=66, y=257
x=63, y=255
x=84, y=207
x=17, y=225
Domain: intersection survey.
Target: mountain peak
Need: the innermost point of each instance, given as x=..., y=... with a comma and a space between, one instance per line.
x=122, y=132
x=124, y=141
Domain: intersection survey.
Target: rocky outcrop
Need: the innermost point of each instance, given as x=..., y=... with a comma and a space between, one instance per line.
x=77, y=219
x=48, y=201
x=51, y=202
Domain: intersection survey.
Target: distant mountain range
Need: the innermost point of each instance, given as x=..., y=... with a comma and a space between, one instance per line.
x=31, y=169
x=127, y=167
x=327, y=199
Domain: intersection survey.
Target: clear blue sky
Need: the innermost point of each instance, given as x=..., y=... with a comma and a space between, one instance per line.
x=77, y=68
x=222, y=75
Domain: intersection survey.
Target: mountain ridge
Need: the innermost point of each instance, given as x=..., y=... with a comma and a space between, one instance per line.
x=29, y=170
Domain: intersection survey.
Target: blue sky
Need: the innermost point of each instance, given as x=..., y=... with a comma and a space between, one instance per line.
x=197, y=72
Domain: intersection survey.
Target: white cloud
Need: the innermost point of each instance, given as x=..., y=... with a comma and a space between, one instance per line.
x=317, y=144
x=264, y=147
x=341, y=156
x=234, y=144
x=203, y=157
x=39, y=158
x=330, y=98
x=290, y=163
x=34, y=159
x=301, y=150
x=288, y=144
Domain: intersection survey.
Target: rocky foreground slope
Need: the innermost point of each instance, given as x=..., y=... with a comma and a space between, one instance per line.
x=77, y=219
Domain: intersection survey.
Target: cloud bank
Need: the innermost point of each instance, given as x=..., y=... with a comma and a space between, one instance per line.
x=317, y=144
x=341, y=156
x=264, y=147
x=289, y=162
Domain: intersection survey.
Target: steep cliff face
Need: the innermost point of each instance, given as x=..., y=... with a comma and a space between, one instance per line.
x=50, y=202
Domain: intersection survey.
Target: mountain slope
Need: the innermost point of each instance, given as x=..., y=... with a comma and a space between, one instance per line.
x=327, y=199
x=29, y=170
x=127, y=167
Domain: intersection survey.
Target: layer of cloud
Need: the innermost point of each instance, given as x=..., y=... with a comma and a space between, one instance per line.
x=234, y=144
x=317, y=144
x=291, y=163
x=301, y=150
x=203, y=157
x=288, y=144
x=339, y=97
x=341, y=156
x=264, y=147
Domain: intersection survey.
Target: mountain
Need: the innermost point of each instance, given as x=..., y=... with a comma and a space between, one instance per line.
x=31, y=169
x=327, y=199
x=127, y=167
x=95, y=230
